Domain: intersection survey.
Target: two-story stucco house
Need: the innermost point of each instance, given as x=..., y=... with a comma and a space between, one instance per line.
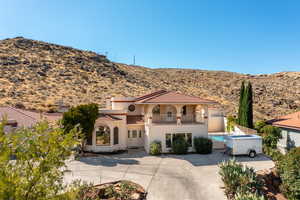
x=137, y=121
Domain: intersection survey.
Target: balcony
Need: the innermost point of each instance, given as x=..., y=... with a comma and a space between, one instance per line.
x=172, y=119
x=164, y=118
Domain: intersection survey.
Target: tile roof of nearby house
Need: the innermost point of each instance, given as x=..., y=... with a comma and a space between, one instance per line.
x=291, y=121
x=163, y=96
x=26, y=118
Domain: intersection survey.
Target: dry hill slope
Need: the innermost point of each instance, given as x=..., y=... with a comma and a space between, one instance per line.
x=38, y=74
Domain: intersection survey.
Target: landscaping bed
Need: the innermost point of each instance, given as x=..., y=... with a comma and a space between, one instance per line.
x=118, y=190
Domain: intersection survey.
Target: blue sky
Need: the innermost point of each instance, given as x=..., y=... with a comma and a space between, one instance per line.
x=246, y=36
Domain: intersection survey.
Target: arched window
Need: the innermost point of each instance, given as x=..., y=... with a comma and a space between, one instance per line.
x=103, y=136
x=116, y=135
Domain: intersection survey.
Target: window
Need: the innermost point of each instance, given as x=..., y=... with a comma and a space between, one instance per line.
x=170, y=138
x=131, y=108
x=184, y=110
x=128, y=133
x=169, y=114
x=134, y=134
x=116, y=135
x=103, y=136
x=140, y=133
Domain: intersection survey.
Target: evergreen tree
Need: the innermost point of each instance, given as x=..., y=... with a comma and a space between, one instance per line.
x=245, y=113
x=240, y=102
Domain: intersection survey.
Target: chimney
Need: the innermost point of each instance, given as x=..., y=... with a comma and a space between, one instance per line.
x=108, y=103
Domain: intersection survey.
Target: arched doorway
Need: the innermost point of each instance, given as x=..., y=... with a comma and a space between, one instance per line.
x=103, y=135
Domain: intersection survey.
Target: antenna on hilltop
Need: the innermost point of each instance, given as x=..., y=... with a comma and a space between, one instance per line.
x=134, y=60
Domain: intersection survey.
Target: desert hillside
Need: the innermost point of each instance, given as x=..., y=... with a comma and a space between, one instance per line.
x=37, y=75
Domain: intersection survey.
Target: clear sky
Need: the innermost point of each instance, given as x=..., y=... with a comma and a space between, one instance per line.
x=248, y=36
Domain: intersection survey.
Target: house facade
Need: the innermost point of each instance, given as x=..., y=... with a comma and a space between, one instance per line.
x=20, y=118
x=129, y=122
x=290, y=130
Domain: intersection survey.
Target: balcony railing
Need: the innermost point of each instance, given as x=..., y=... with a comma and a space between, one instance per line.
x=159, y=118
x=167, y=118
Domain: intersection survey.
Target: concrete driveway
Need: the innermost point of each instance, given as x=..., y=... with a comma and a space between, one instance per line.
x=173, y=177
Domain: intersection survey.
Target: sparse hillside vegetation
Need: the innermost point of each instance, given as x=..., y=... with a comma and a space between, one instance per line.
x=38, y=75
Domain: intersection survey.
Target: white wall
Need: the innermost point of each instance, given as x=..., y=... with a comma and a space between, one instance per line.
x=158, y=132
x=292, y=135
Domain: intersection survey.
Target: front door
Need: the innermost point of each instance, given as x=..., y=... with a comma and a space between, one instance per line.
x=135, y=138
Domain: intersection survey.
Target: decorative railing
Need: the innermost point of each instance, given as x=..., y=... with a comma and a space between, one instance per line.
x=157, y=118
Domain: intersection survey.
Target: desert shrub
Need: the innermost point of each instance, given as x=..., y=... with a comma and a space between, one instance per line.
x=40, y=153
x=259, y=125
x=155, y=148
x=289, y=171
x=238, y=179
x=203, y=145
x=231, y=121
x=248, y=196
x=180, y=146
x=275, y=154
x=270, y=135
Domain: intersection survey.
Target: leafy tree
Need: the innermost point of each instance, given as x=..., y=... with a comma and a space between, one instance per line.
x=271, y=135
x=40, y=154
x=259, y=125
x=245, y=113
x=84, y=116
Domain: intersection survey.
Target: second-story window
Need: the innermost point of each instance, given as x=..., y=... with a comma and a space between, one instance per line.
x=131, y=108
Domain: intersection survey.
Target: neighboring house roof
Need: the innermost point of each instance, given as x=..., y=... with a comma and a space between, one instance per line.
x=163, y=96
x=291, y=121
x=26, y=118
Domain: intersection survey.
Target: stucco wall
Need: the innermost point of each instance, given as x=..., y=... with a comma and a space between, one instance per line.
x=158, y=132
x=289, y=135
x=215, y=121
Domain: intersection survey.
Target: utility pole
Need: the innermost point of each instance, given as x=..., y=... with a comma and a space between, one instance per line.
x=134, y=60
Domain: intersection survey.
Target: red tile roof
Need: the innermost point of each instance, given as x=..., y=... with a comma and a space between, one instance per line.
x=288, y=121
x=163, y=96
x=27, y=118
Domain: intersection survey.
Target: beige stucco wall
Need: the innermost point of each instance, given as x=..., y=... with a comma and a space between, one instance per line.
x=215, y=121
x=158, y=132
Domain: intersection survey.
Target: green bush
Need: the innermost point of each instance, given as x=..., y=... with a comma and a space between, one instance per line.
x=203, y=145
x=270, y=135
x=259, y=125
x=238, y=179
x=289, y=171
x=40, y=153
x=180, y=146
x=231, y=121
x=155, y=148
x=248, y=196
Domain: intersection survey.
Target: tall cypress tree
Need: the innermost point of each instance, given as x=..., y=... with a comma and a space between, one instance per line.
x=245, y=114
x=241, y=102
x=250, y=106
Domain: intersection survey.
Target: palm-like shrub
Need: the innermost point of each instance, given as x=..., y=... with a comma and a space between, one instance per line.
x=155, y=148
x=203, y=145
x=238, y=179
x=180, y=146
x=289, y=170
